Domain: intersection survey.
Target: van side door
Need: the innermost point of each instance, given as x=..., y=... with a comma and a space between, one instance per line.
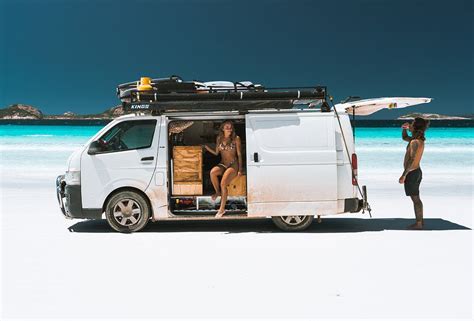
x=127, y=158
x=291, y=163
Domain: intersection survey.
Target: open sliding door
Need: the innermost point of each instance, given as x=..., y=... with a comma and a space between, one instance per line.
x=291, y=164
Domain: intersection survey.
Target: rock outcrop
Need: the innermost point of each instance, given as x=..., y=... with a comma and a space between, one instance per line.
x=20, y=111
x=109, y=113
x=114, y=111
x=69, y=114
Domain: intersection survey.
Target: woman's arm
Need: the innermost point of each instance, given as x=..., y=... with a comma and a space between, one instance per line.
x=239, y=154
x=210, y=150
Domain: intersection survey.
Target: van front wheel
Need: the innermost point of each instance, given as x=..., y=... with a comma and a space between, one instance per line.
x=293, y=223
x=127, y=212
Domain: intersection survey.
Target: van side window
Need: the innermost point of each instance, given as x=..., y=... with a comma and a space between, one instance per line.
x=129, y=135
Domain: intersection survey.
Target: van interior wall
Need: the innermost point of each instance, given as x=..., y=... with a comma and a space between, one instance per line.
x=205, y=132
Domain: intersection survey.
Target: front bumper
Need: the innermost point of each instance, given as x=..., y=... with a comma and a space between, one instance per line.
x=70, y=201
x=61, y=194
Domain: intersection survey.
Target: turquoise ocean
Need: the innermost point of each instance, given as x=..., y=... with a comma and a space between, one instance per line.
x=37, y=153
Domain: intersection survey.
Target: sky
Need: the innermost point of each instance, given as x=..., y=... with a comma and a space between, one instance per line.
x=69, y=55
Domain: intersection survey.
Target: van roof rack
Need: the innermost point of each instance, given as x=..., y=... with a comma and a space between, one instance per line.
x=172, y=94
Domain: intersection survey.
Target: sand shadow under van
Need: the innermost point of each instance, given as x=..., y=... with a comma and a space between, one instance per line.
x=328, y=225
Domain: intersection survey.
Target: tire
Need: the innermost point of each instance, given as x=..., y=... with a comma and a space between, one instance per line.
x=127, y=212
x=293, y=223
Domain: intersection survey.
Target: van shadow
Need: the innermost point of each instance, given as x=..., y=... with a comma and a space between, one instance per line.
x=328, y=225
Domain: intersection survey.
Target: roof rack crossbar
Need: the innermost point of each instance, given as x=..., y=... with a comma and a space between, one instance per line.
x=226, y=96
x=207, y=106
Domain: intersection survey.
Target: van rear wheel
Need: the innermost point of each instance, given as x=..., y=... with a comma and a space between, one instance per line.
x=127, y=212
x=293, y=223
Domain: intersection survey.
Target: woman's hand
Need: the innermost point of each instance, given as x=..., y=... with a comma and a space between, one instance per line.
x=207, y=148
x=406, y=125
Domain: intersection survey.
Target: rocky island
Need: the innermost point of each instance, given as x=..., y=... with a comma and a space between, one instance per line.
x=27, y=112
x=20, y=111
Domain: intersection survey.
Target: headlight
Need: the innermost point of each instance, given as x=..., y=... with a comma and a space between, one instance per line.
x=73, y=177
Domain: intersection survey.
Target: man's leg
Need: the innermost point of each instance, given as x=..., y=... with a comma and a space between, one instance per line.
x=418, y=206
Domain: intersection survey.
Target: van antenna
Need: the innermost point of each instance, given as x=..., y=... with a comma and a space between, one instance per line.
x=353, y=124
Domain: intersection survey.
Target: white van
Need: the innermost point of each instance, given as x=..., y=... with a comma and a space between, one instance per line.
x=298, y=162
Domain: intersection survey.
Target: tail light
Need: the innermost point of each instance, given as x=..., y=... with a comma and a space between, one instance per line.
x=354, y=169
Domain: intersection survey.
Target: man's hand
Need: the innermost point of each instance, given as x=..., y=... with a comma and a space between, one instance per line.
x=401, y=180
x=239, y=173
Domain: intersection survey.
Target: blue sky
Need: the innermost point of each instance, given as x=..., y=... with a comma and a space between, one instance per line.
x=70, y=55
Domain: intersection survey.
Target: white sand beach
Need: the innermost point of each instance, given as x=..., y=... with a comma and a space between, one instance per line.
x=298, y=97
x=351, y=266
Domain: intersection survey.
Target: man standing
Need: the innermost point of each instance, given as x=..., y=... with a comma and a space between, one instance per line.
x=411, y=177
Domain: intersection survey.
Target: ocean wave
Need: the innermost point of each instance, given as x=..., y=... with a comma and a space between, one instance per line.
x=428, y=149
x=40, y=148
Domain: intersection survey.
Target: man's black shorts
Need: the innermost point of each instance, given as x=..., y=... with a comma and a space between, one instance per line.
x=412, y=182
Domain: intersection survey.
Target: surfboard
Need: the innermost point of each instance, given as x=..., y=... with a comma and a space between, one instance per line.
x=228, y=85
x=367, y=107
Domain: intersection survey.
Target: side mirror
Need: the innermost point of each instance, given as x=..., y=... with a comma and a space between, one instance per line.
x=95, y=148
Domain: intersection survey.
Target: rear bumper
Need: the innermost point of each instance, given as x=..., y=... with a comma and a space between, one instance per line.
x=353, y=205
x=70, y=201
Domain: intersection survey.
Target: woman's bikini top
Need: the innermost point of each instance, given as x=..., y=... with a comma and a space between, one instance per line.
x=223, y=146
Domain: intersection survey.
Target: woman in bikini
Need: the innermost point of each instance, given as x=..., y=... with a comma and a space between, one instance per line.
x=228, y=144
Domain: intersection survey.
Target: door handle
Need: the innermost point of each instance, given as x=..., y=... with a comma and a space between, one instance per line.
x=149, y=158
x=255, y=157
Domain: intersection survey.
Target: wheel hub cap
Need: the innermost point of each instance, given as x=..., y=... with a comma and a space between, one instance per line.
x=127, y=212
x=293, y=220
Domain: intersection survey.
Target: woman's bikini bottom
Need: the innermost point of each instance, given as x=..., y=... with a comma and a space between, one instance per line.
x=226, y=167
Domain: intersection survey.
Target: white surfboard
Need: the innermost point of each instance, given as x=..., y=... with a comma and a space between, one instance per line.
x=225, y=85
x=369, y=106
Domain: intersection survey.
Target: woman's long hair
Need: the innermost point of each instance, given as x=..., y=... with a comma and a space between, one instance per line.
x=220, y=136
x=420, y=125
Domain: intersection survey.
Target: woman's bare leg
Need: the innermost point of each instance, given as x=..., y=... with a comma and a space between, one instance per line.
x=227, y=177
x=215, y=172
